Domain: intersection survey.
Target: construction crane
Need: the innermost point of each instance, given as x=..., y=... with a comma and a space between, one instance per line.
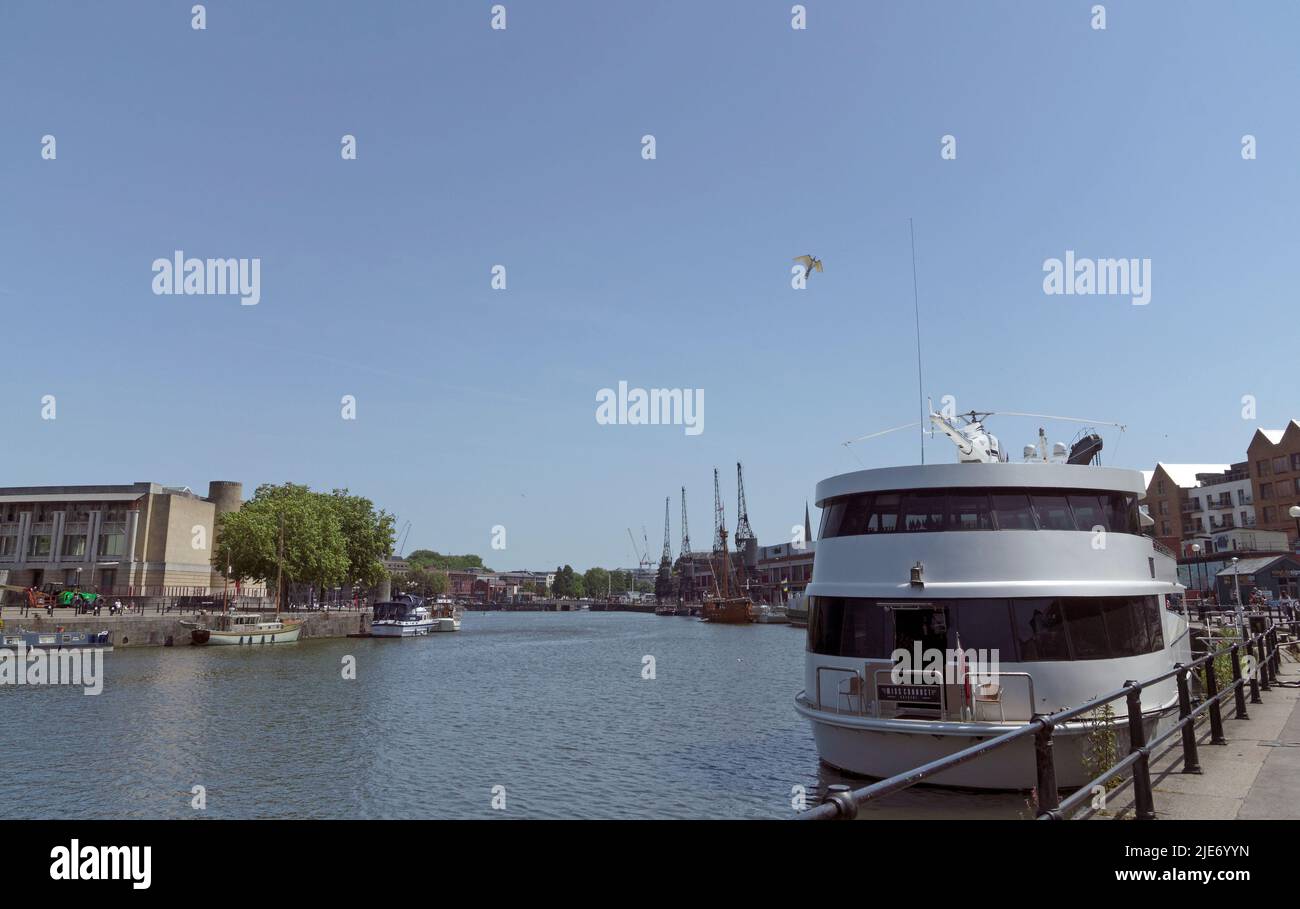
x=642, y=555
x=743, y=532
x=664, y=582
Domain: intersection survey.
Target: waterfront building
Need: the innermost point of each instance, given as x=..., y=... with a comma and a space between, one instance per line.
x=138, y=538
x=1169, y=499
x=1274, y=456
x=781, y=571
x=1275, y=575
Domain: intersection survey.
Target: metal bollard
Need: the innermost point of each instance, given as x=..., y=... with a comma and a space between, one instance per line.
x=1216, y=716
x=1262, y=668
x=1191, y=762
x=1142, y=801
x=1239, y=692
x=1049, y=799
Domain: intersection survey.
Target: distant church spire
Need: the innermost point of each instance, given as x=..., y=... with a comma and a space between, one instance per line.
x=807, y=524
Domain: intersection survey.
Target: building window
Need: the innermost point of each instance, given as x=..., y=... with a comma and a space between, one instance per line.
x=107, y=578
x=112, y=545
x=1295, y=462
x=74, y=546
x=1266, y=490
x=1160, y=487
x=1270, y=514
x=39, y=546
x=8, y=545
x=1279, y=464
x=1261, y=467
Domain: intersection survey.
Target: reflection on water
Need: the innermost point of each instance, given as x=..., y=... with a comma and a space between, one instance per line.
x=552, y=706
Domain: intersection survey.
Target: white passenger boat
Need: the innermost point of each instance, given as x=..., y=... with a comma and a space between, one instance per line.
x=404, y=616
x=1043, y=565
x=249, y=629
x=446, y=617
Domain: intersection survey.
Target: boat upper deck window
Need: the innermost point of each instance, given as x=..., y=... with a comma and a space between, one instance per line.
x=931, y=510
x=1013, y=512
x=969, y=512
x=923, y=511
x=1053, y=512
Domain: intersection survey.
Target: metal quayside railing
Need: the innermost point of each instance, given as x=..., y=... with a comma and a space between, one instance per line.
x=843, y=802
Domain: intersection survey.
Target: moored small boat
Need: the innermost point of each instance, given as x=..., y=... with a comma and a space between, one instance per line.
x=249, y=629
x=58, y=640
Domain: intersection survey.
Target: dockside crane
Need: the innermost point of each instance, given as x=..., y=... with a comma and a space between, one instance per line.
x=664, y=582
x=743, y=532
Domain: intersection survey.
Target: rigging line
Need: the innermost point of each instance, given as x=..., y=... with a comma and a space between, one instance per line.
x=916, y=307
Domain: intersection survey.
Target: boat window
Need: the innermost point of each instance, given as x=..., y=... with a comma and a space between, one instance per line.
x=832, y=517
x=1039, y=627
x=1028, y=629
x=1126, y=626
x=857, y=511
x=1121, y=513
x=986, y=625
x=1012, y=511
x=844, y=626
x=1088, y=512
x=929, y=510
x=1053, y=512
x=1154, y=622
x=922, y=511
x=969, y=511
x=883, y=517
x=1087, y=629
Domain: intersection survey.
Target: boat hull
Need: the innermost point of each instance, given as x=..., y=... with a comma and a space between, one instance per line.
x=879, y=749
x=402, y=629
x=256, y=637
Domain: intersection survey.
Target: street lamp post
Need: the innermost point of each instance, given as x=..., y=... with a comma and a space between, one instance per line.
x=1200, y=591
x=1294, y=511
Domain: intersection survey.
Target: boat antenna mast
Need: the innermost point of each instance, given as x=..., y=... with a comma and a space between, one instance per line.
x=720, y=535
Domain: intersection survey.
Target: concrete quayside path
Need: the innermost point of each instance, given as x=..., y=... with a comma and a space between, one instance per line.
x=1255, y=776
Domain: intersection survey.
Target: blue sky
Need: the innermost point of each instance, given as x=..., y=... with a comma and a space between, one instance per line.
x=523, y=148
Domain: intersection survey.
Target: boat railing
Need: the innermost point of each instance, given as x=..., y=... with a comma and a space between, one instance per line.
x=855, y=681
x=1006, y=707
x=1255, y=663
x=926, y=680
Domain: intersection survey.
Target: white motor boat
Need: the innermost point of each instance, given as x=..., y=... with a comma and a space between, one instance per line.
x=1030, y=584
x=405, y=616
x=247, y=628
x=446, y=617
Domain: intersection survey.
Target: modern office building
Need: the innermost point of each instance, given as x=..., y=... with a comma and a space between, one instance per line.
x=141, y=538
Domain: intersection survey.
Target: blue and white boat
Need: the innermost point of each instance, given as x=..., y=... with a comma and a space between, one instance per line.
x=58, y=640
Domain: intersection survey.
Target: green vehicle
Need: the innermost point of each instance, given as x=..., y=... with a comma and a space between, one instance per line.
x=74, y=597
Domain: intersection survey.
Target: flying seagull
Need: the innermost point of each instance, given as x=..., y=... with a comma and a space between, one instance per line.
x=809, y=263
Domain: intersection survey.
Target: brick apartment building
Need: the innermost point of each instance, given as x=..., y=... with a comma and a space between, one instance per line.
x=1274, y=456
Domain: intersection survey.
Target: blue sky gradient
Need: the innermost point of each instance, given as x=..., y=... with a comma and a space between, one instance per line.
x=478, y=147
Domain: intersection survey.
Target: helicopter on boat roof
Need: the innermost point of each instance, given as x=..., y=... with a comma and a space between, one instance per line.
x=976, y=445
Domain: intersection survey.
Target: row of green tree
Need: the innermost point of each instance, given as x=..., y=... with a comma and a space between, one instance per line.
x=595, y=583
x=288, y=534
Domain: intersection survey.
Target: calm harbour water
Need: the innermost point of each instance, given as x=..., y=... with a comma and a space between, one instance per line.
x=552, y=706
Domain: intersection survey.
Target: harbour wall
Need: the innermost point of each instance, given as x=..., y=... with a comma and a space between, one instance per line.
x=167, y=630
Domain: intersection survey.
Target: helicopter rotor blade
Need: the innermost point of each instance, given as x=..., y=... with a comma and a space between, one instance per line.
x=1047, y=416
x=883, y=432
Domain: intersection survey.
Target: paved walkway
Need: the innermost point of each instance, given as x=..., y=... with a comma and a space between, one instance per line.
x=1256, y=775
